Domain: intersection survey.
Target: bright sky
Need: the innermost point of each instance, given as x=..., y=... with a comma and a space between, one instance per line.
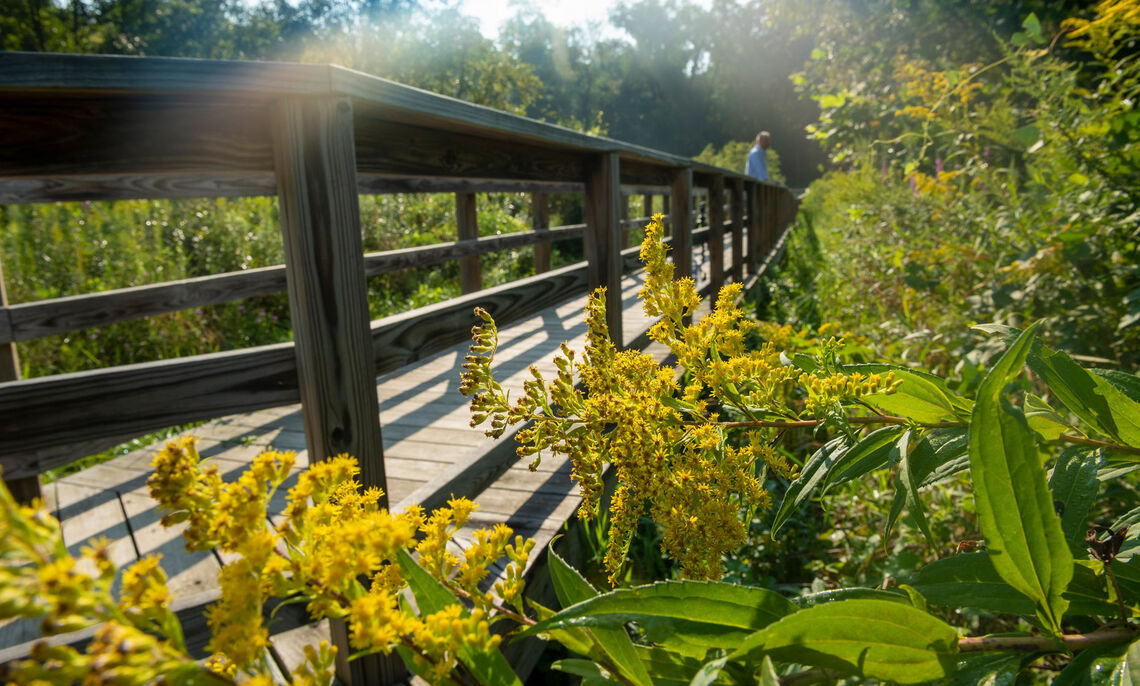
x=492, y=13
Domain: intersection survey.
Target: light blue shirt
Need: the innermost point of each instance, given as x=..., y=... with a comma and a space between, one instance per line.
x=757, y=166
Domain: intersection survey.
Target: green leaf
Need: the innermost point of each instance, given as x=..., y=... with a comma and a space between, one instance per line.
x=835, y=595
x=767, y=673
x=1027, y=136
x=940, y=455
x=1074, y=486
x=1091, y=667
x=687, y=616
x=818, y=54
x=431, y=595
x=813, y=472
x=1043, y=419
x=488, y=667
x=572, y=588
x=1023, y=534
x=1032, y=27
x=1127, y=669
x=920, y=397
x=970, y=580
x=668, y=668
x=1090, y=396
x=869, y=454
x=906, y=490
x=1128, y=384
x=873, y=639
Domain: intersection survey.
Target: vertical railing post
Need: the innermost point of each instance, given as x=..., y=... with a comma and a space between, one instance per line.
x=667, y=208
x=624, y=228
x=716, y=233
x=755, y=227
x=603, y=239
x=681, y=210
x=315, y=165
x=772, y=217
x=467, y=223
x=23, y=489
x=647, y=204
x=736, y=208
x=540, y=221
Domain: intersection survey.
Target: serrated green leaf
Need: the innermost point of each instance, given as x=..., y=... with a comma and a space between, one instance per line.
x=970, y=580
x=1074, y=486
x=835, y=595
x=907, y=488
x=572, y=588
x=1043, y=419
x=687, y=616
x=873, y=639
x=1023, y=534
x=1128, y=384
x=813, y=472
x=667, y=668
x=869, y=454
x=940, y=455
x=1090, y=396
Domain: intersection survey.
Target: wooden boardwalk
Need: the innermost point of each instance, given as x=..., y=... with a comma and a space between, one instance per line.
x=430, y=453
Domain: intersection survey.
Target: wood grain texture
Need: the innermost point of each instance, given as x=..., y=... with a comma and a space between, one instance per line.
x=76, y=135
x=52, y=412
x=736, y=210
x=320, y=222
x=603, y=235
x=60, y=315
x=540, y=221
x=716, y=233
x=467, y=223
x=386, y=147
x=75, y=187
x=681, y=209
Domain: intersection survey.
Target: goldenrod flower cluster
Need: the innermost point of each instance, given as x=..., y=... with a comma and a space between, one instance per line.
x=334, y=546
x=1110, y=32
x=675, y=459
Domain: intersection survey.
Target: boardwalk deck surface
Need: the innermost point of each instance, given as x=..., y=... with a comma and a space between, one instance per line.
x=430, y=452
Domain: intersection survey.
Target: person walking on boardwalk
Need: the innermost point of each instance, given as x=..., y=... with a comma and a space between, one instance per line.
x=757, y=165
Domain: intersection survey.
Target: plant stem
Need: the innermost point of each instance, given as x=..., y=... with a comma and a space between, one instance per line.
x=1093, y=443
x=1029, y=644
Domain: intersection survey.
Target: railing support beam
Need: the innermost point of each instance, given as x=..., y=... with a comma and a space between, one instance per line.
x=315, y=165
x=540, y=221
x=736, y=208
x=681, y=212
x=24, y=489
x=755, y=227
x=467, y=222
x=716, y=234
x=603, y=236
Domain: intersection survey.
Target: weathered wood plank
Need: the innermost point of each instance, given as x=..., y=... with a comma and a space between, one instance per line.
x=49, y=413
x=681, y=211
x=467, y=223
x=603, y=236
x=320, y=221
x=55, y=135
x=27, y=488
x=61, y=315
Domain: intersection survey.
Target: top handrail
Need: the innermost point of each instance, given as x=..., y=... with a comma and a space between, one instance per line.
x=23, y=72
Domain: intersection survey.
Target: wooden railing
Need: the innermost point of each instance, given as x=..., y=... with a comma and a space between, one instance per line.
x=99, y=128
